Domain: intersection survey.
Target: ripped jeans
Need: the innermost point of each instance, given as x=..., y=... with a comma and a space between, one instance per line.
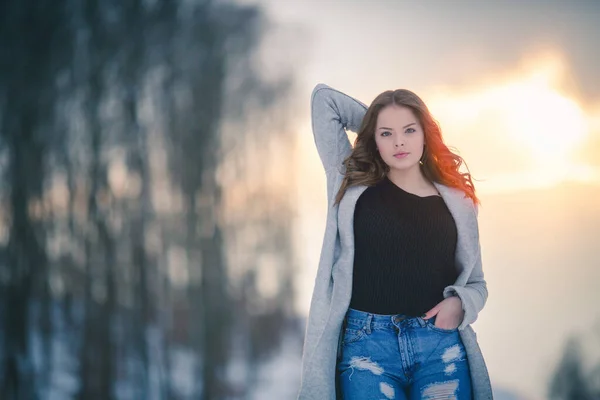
x=400, y=357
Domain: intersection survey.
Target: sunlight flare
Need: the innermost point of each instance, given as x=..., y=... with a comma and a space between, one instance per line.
x=523, y=118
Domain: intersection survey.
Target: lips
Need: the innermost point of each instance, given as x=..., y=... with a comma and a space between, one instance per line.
x=400, y=155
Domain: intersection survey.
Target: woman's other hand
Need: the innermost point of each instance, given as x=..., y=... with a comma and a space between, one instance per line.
x=449, y=313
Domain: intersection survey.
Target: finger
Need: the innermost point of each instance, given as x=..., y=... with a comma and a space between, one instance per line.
x=431, y=312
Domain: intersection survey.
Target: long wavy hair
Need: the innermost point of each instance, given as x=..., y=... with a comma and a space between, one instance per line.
x=364, y=166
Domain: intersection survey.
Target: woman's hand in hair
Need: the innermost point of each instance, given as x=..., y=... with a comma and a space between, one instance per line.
x=449, y=313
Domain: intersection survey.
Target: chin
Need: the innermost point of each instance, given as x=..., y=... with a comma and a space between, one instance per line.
x=403, y=166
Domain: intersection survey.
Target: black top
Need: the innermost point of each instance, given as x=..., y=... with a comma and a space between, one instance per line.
x=404, y=251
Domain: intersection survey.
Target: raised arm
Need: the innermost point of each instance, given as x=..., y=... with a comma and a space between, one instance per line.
x=332, y=112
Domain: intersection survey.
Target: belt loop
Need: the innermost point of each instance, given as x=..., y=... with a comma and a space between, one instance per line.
x=368, y=324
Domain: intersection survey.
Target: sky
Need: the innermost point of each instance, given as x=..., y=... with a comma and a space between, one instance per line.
x=515, y=88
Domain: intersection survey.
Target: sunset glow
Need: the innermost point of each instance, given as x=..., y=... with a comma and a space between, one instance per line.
x=522, y=119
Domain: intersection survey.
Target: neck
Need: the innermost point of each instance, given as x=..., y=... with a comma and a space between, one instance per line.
x=411, y=178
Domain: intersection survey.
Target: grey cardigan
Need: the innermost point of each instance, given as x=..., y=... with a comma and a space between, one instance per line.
x=332, y=112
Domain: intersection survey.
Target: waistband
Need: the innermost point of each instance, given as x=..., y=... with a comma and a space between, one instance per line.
x=371, y=321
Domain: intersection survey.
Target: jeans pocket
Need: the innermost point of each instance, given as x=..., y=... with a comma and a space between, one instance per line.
x=431, y=325
x=352, y=335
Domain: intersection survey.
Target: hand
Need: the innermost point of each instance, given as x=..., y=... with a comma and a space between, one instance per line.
x=449, y=313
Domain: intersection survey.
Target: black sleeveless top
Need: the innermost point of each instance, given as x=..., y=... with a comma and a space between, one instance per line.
x=404, y=251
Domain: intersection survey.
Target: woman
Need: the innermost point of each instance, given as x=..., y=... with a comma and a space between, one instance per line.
x=400, y=280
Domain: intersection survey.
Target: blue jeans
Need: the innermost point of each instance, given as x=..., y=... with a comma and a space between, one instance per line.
x=400, y=357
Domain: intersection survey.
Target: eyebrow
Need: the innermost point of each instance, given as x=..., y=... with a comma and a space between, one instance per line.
x=404, y=127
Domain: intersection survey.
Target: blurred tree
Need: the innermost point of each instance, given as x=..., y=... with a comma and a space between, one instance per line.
x=31, y=54
x=571, y=380
x=115, y=128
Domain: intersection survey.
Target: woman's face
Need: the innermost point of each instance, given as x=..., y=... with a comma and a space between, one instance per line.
x=399, y=137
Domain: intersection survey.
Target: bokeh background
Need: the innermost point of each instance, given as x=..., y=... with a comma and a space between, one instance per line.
x=163, y=205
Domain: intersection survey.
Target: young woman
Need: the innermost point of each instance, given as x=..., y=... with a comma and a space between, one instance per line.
x=400, y=280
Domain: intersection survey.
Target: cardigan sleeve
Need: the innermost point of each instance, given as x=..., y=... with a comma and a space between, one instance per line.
x=474, y=293
x=332, y=112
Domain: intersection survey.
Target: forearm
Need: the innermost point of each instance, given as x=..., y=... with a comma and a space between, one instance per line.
x=473, y=298
x=332, y=112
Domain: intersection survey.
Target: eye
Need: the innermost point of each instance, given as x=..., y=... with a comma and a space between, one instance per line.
x=384, y=133
x=410, y=130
